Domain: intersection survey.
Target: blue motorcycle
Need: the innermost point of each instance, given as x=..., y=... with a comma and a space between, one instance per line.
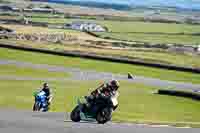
x=41, y=103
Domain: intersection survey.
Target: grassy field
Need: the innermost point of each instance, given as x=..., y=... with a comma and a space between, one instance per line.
x=130, y=26
x=137, y=103
x=12, y=70
x=43, y=30
x=135, y=31
x=122, y=35
x=141, y=31
x=97, y=65
x=153, y=38
x=148, y=55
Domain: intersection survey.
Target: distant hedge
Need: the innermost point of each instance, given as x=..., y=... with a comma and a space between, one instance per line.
x=186, y=94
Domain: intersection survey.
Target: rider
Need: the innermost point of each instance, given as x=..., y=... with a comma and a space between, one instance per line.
x=105, y=90
x=47, y=91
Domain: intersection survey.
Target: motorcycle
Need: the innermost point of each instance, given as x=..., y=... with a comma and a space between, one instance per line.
x=101, y=110
x=41, y=103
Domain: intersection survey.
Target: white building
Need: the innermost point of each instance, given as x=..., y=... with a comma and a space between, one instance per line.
x=86, y=26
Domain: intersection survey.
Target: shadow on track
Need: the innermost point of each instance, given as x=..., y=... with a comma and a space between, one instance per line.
x=84, y=121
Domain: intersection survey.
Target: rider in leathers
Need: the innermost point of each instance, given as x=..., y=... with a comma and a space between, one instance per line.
x=105, y=90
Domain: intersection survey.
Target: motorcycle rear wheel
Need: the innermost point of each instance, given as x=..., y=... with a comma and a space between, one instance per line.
x=104, y=116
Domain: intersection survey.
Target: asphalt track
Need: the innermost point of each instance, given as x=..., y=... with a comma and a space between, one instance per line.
x=12, y=121
x=78, y=74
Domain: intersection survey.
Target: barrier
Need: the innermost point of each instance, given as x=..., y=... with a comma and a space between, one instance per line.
x=193, y=95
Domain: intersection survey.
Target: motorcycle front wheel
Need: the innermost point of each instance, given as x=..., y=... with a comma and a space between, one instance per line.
x=75, y=114
x=36, y=107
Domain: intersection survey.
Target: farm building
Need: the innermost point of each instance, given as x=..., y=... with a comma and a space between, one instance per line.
x=86, y=26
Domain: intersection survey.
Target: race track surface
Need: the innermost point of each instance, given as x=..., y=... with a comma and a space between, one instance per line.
x=12, y=121
x=78, y=74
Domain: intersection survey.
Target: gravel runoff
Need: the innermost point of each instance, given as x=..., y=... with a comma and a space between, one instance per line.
x=78, y=74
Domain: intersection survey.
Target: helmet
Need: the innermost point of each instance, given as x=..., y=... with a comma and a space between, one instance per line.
x=114, y=84
x=45, y=85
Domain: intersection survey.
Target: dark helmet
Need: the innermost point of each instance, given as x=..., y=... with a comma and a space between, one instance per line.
x=114, y=84
x=45, y=85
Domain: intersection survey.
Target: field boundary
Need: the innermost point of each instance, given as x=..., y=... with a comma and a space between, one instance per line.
x=179, y=93
x=101, y=57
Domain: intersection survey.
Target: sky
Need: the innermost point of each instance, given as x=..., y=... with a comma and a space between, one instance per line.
x=189, y=4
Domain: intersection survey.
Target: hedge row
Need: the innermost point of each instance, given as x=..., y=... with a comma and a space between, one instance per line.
x=193, y=95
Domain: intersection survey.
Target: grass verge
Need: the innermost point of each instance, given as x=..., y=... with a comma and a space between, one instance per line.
x=97, y=65
x=137, y=103
x=147, y=55
x=12, y=70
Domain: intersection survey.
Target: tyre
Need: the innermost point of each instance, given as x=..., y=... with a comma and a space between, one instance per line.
x=37, y=106
x=34, y=107
x=75, y=114
x=103, y=116
x=44, y=107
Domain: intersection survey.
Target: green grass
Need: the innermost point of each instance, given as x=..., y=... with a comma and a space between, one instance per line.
x=152, y=38
x=148, y=55
x=131, y=26
x=150, y=27
x=99, y=65
x=148, y=107
x=136, y=101
x=136, y=31
x=12, y=70
x=124, y=30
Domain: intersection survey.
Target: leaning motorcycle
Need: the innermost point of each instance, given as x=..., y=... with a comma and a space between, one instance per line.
x=101, y=110
x=41, y=103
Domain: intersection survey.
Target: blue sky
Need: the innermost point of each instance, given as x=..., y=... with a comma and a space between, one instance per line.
x=190, y=4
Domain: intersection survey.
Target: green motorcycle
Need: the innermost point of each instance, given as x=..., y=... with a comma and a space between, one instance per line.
x=100, y=111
